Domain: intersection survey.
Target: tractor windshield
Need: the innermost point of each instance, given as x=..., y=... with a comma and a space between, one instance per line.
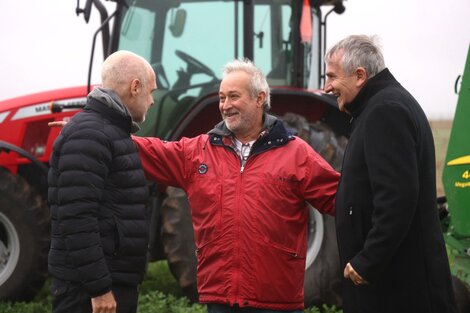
x=189, y=42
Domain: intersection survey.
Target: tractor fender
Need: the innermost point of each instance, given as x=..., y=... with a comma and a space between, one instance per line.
x=6, y=146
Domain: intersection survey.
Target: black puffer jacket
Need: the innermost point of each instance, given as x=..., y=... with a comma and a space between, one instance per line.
x=97, y=196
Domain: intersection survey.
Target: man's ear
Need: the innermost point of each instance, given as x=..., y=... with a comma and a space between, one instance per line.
x=361, y=76
x=261, y=99
x=135, y=86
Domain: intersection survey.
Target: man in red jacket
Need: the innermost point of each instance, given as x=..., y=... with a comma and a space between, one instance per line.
x=248, y=182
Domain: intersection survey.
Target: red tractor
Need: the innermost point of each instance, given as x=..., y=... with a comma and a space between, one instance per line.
x=187, y=42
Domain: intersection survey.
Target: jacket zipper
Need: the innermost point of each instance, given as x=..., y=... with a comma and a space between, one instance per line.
x=236, y=265
x=238, y=232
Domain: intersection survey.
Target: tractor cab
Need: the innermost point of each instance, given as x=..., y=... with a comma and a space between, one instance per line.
x=189, y=42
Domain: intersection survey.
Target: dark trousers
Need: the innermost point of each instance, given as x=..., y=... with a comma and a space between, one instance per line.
x=68, y=297
x=222, y=308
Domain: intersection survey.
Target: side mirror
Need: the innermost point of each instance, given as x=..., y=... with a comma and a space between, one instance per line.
x=86, y=11
x=177, y=22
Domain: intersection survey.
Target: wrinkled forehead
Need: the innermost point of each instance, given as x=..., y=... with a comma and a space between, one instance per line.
x=238, y=81
x=335, y=57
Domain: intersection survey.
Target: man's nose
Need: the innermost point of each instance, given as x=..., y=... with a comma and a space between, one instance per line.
x=327, y=88
x=225, y=104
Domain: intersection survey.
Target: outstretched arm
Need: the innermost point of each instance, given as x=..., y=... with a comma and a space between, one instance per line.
x=162, y=161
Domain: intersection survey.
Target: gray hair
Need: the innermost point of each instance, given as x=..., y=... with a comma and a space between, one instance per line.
x=258, y=81
x=359, y=51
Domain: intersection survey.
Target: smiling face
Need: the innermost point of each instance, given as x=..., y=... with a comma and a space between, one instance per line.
x=241, y=112
x=345, y=86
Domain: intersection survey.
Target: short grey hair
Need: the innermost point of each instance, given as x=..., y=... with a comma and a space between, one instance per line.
x=258, y=82
x=359, y=51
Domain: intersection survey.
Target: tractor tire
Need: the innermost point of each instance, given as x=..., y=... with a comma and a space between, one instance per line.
x=24, y=239
x=178, y=241
x=323, y=276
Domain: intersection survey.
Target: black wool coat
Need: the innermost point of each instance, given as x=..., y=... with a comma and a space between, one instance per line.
x=386, y=215
x=97, y=195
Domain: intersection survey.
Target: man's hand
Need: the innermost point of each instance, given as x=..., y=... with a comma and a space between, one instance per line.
x=57, y=124
x=104, y=303
x=350, y=273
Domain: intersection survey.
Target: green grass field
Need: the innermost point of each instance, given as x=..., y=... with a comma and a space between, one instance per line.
x=441, y=133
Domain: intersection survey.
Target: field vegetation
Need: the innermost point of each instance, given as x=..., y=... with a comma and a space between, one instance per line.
x=441, y=132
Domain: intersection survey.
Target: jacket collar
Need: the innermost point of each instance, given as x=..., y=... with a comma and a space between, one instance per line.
x=273, y=134
x=116, y=117
x=371, y=87
x=109, y=98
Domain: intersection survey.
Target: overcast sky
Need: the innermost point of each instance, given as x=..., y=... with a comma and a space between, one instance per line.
x=46, y=46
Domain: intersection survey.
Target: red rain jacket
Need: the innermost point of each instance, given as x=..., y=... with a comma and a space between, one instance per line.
x=250, y=224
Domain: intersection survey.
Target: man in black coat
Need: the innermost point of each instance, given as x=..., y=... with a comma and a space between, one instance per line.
x=98, y=195
x=389, y=236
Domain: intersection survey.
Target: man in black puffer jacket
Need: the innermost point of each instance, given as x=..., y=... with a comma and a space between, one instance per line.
x=98, y=194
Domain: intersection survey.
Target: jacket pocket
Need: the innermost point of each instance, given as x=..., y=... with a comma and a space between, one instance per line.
x=59, y=287
x=279, y=213
x=277, y=273
x=205, y=196
x=292, y=252
x=283, y=194
x=213, y=258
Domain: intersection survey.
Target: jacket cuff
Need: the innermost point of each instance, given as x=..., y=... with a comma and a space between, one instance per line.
x=100, y=293
x=361, y=268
